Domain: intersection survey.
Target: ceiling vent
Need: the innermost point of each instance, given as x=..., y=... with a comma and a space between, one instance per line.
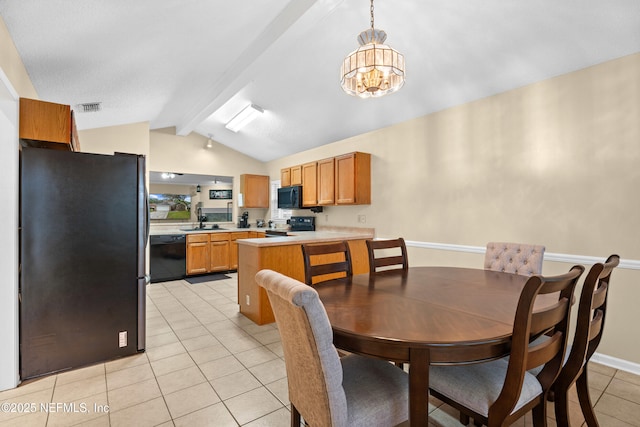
x=89, y=107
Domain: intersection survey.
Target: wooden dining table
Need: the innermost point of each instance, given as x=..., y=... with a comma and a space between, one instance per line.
x=424, y=316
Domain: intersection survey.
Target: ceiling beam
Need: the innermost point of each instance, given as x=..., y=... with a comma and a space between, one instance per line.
x=234, y=77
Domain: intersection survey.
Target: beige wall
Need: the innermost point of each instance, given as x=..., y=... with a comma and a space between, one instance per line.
x=132, y=139
x=553, y=163
x=172, y=153
x=187, y=154
x=12, y=65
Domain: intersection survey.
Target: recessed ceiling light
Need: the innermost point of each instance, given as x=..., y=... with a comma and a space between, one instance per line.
x=244, y=117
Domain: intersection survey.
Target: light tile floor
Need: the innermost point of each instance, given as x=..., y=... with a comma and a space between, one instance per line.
x=207, y=365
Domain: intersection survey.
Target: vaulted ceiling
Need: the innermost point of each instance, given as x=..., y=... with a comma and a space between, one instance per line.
x=194, y=64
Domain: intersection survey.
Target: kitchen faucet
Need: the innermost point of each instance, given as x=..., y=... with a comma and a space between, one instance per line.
x=201, y=218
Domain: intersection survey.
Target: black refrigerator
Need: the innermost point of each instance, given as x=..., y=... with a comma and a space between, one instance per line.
x=83, y=231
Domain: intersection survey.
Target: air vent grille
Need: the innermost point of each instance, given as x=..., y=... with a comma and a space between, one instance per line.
x=89, y=107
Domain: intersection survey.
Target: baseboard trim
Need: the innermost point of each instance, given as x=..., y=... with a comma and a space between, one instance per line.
x=614, y=362
x=629, y=264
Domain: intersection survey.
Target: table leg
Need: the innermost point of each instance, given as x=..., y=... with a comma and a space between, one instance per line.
x=419, y=387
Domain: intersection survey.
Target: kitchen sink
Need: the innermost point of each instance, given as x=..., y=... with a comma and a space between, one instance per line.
x=209, y=228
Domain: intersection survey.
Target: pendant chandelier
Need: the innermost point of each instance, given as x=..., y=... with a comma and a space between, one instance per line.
x=374, y=69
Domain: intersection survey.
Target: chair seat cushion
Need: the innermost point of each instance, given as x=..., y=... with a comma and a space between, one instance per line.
x=478, y=386
x=376, y=390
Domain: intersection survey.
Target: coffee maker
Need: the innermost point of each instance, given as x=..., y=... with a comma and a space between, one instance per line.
x=243, y=221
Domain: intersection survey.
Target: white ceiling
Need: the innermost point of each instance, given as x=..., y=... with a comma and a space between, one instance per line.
x=194, y=64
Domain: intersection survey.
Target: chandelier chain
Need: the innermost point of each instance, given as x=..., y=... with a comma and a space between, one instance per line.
x=372, y=14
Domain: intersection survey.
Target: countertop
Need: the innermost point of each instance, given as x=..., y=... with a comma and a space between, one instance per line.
x=299, y=237
x=179, y=229
x=294, y=237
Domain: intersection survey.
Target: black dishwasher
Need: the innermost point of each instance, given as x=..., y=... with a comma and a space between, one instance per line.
x=168, y=257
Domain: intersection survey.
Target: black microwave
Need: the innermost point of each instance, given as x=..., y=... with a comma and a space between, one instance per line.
x=290, y=197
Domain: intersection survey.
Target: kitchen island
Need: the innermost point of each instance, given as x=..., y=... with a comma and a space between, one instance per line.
x=284, y=255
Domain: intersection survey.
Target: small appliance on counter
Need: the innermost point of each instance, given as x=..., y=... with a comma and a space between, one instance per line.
x=260, y=223
x=303, y=223
x=243, y=221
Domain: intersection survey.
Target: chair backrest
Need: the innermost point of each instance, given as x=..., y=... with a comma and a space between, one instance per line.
x=517, y=258
x=314, y=371
x=322, y=259
x=528, y=325
x=393, y=259
x=592, y=311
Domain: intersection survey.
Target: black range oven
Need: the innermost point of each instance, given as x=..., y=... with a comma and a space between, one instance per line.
x=303, y=223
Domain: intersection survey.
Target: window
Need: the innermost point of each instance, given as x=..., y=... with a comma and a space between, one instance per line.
x=276, y=214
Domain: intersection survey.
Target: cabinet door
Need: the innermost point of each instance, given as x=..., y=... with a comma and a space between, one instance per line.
x=197, y=257
x=326, y=182
x=285, y=177
x=296, y=175
x=255, y=191
x=47, y=125
x=219, y=255
x=310, y=184
x=233, y=247
x=353, y=179
x=219, y=251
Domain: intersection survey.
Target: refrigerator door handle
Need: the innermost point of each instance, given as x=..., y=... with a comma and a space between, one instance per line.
x=147, y=215
x=142, y=306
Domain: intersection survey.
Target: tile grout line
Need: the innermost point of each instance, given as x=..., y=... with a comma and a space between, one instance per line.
x=262, y=385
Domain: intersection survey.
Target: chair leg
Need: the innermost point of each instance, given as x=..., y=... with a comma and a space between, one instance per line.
x=539, y=413
x=464, y=419
x=561, y=405
x=582, y=387
x=295, y=417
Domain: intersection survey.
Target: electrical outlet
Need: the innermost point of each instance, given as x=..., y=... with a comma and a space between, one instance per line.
x=326, y=218
x=362, y=219
x=122, y=339
x=248, y=299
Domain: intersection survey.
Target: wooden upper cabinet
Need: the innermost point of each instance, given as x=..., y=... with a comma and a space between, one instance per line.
x=310, y=184
x=340, y=180
x=296, y=175
x=291, y=176
x=326, y=182
x=285, y=177
x=48, y=125
x=353, y=179
x=254, y=190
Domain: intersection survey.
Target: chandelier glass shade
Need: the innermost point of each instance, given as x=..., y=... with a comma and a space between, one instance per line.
x=374, y=69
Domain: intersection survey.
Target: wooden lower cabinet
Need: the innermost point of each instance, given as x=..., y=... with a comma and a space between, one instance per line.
x=285, y=259
x=210, y=252
x=219, y=251
x=233, y=247
x=198, y=259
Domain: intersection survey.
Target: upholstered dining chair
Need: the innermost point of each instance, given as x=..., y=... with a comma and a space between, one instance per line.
x=326, y=259
x=499, y=392
x=592, y=311
x=517, y=258
x=325, y=389
x=397, y=257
